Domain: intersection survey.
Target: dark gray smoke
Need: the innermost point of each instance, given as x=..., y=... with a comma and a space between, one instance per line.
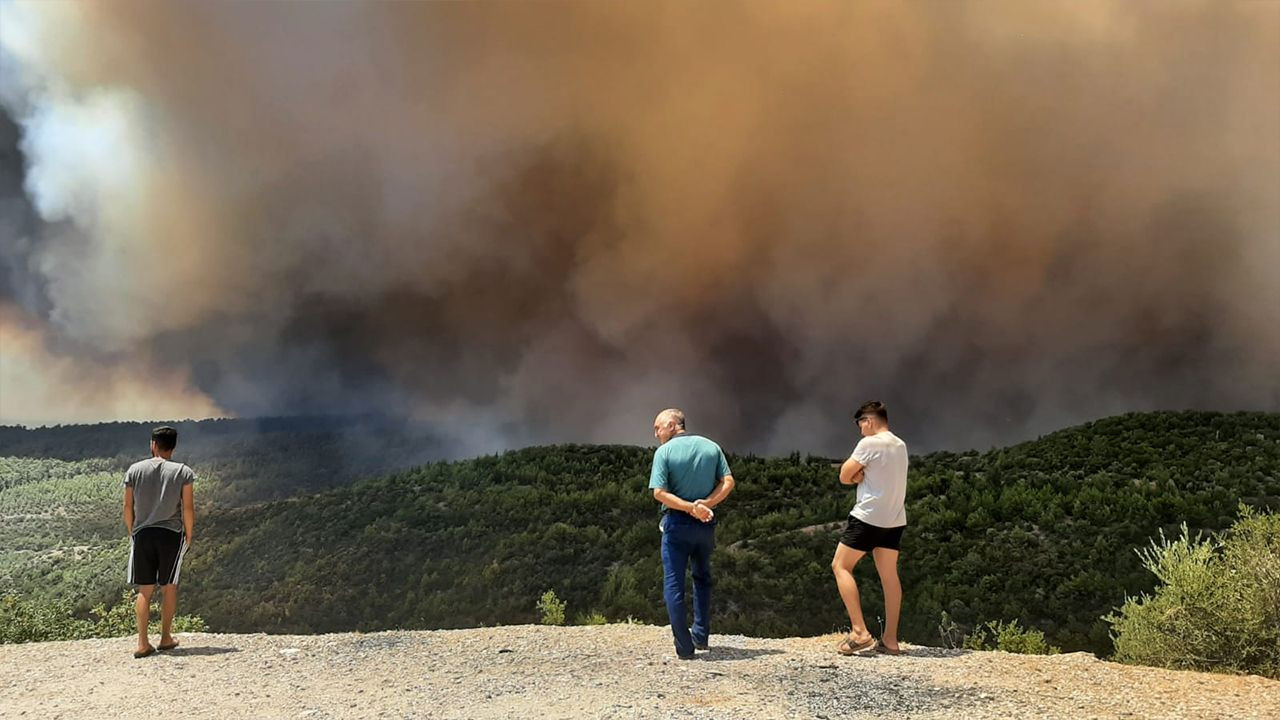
x=542, y=222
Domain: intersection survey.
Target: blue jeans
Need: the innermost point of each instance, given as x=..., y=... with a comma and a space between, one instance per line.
x=687, y=541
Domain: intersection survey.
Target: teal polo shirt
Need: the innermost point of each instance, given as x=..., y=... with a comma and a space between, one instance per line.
x=688, y=466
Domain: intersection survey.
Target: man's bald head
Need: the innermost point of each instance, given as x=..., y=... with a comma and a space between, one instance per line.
x=668, y=424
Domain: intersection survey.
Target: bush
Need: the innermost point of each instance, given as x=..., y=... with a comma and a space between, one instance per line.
x=119, y=620
x=552, y=608
x=1009, y=637
x=1217, y=604
x=22, y=622
x=591, y=618
x=44, y=621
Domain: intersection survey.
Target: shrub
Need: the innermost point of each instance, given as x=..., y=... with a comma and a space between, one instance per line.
x=27, y=621
x=1217, y=604
x=119, y=620
x=22, y=622
x=552, y=608
x=1009, y=637
x=591, y=618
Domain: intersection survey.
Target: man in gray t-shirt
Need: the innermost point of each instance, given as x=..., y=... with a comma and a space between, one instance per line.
x=159, y=514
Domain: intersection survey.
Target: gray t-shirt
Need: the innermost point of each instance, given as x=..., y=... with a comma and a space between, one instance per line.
x=157, y=492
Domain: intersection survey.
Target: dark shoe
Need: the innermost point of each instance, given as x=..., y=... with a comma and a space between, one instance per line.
x=144, y=653
x=686, y=657
x=699, y=645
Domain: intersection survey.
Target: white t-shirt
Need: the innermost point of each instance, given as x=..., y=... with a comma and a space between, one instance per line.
x=882, y=494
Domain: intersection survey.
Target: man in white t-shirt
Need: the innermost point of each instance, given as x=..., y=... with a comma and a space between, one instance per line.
x=878, y=467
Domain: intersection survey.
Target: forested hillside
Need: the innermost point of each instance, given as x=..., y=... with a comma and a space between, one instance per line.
x=1044, y=532
x=61, y=533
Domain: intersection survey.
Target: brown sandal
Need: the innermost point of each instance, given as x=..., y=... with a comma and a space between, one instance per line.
x=139, y=654
x=848, y=646
x=882, y=648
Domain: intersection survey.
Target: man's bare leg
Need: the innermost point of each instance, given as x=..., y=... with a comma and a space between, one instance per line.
x=142, y=608
x=887, y=566
x=168, y=608
x=842, y=565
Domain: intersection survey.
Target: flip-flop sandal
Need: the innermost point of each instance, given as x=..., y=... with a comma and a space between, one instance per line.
x=169, y=646
x=881, y=648
x=137, y=654
x=849, y=647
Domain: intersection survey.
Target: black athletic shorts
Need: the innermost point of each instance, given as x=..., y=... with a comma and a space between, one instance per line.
x=867, y=537
x=155, y=556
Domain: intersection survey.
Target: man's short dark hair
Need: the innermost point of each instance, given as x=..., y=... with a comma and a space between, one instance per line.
x=165, y=438
x=875, y=407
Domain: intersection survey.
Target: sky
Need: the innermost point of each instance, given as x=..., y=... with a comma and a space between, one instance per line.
x=545, y=222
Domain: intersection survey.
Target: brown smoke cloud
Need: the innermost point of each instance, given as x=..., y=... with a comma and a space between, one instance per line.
x=39, y=386
x=548, y=220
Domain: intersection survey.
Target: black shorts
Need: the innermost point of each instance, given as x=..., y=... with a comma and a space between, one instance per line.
x=155, y=556
x=867, y=537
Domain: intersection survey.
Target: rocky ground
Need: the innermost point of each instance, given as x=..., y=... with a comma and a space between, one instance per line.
x=611, y=671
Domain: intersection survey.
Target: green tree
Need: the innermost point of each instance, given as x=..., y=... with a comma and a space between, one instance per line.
x=552, y=608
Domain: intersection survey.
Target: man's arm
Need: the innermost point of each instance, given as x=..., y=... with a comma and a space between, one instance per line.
x=851, y=472
x=721, y=491
x=128, y=510
x=188, y=511
x=677, y=503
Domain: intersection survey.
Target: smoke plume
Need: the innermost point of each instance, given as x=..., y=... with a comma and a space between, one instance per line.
x=547, y=221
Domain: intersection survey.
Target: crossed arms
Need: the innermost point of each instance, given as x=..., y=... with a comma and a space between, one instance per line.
x=851, y=472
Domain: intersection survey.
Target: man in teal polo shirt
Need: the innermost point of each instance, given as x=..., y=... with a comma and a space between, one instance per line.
x=690, y=477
